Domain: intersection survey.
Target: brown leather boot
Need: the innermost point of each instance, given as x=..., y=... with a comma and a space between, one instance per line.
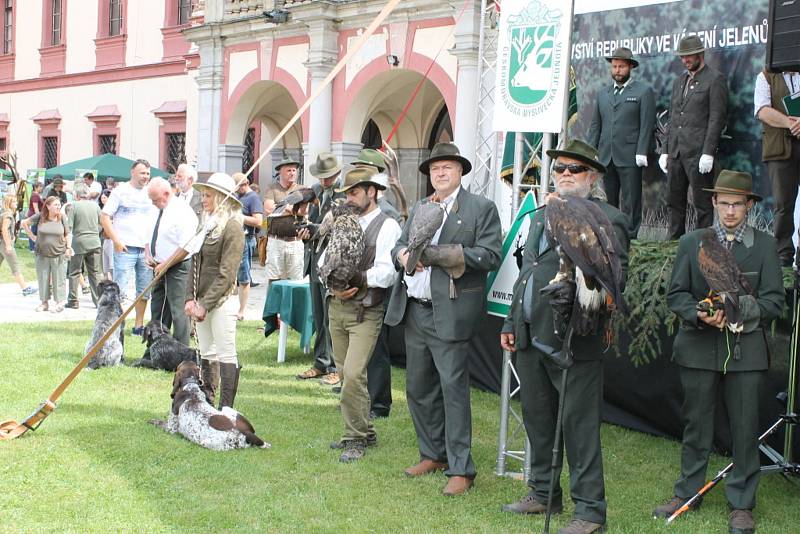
x=457, y=485
x=424, y=467
x=229, y=383
x=529, y=505
x=581, y=526
x=209, y=375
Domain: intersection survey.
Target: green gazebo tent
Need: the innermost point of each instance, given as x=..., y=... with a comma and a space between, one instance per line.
x=107, y=165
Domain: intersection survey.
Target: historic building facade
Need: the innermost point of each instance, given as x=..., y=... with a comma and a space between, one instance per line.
x=85, y=77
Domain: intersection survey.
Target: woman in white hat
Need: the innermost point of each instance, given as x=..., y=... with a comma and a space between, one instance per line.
x=212, y=281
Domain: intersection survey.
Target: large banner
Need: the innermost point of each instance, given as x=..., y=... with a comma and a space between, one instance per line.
x=532, y=63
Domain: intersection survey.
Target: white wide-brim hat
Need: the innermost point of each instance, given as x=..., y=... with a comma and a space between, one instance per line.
x=222, y=182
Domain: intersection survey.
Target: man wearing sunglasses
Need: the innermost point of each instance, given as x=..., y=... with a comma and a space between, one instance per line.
x=577, y=173
x=622, y=132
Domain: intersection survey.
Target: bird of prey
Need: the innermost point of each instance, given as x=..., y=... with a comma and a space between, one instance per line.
x=396, y=194
x=588, y=252
x=293, y=202
x=723, y=277
x=428, y=217
x=344, y=251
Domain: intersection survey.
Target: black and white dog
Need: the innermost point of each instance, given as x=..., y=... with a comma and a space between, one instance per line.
x=109, y=308
x=199, y=422
x=163, y=351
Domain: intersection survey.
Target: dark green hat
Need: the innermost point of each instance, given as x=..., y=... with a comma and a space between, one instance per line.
x=371, y=157
x=734, y=183
x=445, y=152
x=326, y=166
x=360, y=176
x=287, y=161
x=691, y=44
x=580, y=150
x=623, y=53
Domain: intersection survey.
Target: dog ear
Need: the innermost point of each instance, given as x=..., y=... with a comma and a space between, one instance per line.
x=179, y=399
x=176, y=383
x=220, y=422
x=243, y=425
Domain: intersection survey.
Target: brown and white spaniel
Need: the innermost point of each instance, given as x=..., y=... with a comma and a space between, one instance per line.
x=199, y=422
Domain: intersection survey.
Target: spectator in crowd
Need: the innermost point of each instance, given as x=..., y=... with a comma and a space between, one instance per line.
x=175, y=227
x=53, y=248
x=285, y=250
x=108, y=245
x=84, y=220
x=128, y=218
x=57, y=190
x=326, y=170
x=780, y=150
x=110, y=183
x=440, y=314
x=94, y=188
x=622, y=132
x=8, y=219
x=253, y=212
x=698, y=114
x=212, y=284
x=35, y=206
x=356, y=313
x=185, y=177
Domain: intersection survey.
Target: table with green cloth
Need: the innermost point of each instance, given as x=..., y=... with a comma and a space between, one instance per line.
x=291, y=301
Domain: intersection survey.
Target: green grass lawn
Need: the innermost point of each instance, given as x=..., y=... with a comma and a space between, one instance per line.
x=26, y=264
x=95, y=465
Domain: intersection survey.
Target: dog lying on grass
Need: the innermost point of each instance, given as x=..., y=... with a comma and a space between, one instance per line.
x=199, y=422
x=163, y=351
x=109, y=308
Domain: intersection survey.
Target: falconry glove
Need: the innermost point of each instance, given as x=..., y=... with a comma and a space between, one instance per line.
x=562, y=300
x=359, y=280
x=750, y=313
x=450, y=258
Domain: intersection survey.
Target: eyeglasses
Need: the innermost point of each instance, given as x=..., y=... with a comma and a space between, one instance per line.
x=728, y=205
x=573, y=168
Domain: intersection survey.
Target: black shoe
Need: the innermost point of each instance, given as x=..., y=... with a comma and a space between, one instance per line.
x=71, y=305
x=354, y=449
x=377, y=415
x=254, y=284
x=671, y=506
x=336, y=390
x=371, y=441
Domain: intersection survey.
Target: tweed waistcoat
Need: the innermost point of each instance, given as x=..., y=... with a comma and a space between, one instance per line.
x=776, y=143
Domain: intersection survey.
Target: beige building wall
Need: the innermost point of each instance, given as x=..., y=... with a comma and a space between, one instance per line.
x=28, y=40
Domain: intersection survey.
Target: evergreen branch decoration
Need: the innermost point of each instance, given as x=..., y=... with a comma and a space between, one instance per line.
x=649, y=271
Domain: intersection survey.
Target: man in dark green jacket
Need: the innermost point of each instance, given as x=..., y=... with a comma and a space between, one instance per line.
x=577, y=172
x=704, y=350
x=440, y=304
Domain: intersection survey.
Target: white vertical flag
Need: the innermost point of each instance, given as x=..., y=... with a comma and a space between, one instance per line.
x=532, y=65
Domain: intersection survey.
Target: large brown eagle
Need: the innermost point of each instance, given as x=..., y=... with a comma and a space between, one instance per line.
x=345, y=249
x=589, y=268
x=723, y=277
x=428, y=217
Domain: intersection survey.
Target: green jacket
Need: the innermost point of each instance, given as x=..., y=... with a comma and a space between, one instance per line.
x=214, y=267
x=473, y=223
x=544, y=267
x=702, y=347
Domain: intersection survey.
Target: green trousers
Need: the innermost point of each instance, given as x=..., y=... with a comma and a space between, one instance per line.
x=93, y=261
x=701, y=390
x=353, y=342
x=437, y=389
x=540, y=381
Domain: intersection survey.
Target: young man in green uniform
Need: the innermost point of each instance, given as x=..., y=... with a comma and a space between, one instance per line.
x=704, y=350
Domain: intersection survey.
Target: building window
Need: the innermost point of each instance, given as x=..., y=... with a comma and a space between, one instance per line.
x=108, y=144
x=185, y=8
x=3, y=145
x=55, y=27
x=50, y=151
x=114, y=17
x=176, y=151
x=8, y=27
x=249, y=149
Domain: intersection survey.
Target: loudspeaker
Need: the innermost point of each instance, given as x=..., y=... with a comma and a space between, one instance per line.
x=783, y=42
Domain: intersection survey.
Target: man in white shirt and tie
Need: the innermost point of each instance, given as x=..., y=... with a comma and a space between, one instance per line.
x=172, y=236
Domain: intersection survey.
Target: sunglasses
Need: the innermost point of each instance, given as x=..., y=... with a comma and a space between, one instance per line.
x=573, y=168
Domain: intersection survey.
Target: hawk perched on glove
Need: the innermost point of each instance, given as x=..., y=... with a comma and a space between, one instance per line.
x=723, y=277
x=345, y=249
x=428, y=218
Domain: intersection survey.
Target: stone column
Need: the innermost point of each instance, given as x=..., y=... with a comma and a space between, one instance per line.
x=346, y=152
x=322, y=55
x=466, y=51
x=209, y=85
x=229, y=158
x=414, y=182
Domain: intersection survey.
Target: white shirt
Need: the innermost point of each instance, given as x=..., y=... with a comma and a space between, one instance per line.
x=419, y=285
x=96, y=188
x=762, y=96
x=623, y=86
x=176, y=230
x=382, y=273
x=133, y=215
x=187, y=196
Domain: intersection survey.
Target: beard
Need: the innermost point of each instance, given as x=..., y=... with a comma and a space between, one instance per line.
x=621, y=79
x=576, y=190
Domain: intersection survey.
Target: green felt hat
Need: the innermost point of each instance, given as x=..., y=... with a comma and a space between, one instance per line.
x=691, y=44
x=325, y=166
x=734, y=183
x=287, y=161
x=625, y=54
x=371, y=157
x=445, y=152
x=581, y=151
x=360, y=176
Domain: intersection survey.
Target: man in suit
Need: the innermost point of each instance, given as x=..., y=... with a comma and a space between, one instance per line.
x=185, y=176
x=326, y=169
x=577, y=172
x=698, y=113
x=622, y=132
x=440, y=312
x=711, y=367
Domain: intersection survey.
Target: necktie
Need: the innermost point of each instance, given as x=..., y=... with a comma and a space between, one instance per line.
x=155, y=234
x=617, y=89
